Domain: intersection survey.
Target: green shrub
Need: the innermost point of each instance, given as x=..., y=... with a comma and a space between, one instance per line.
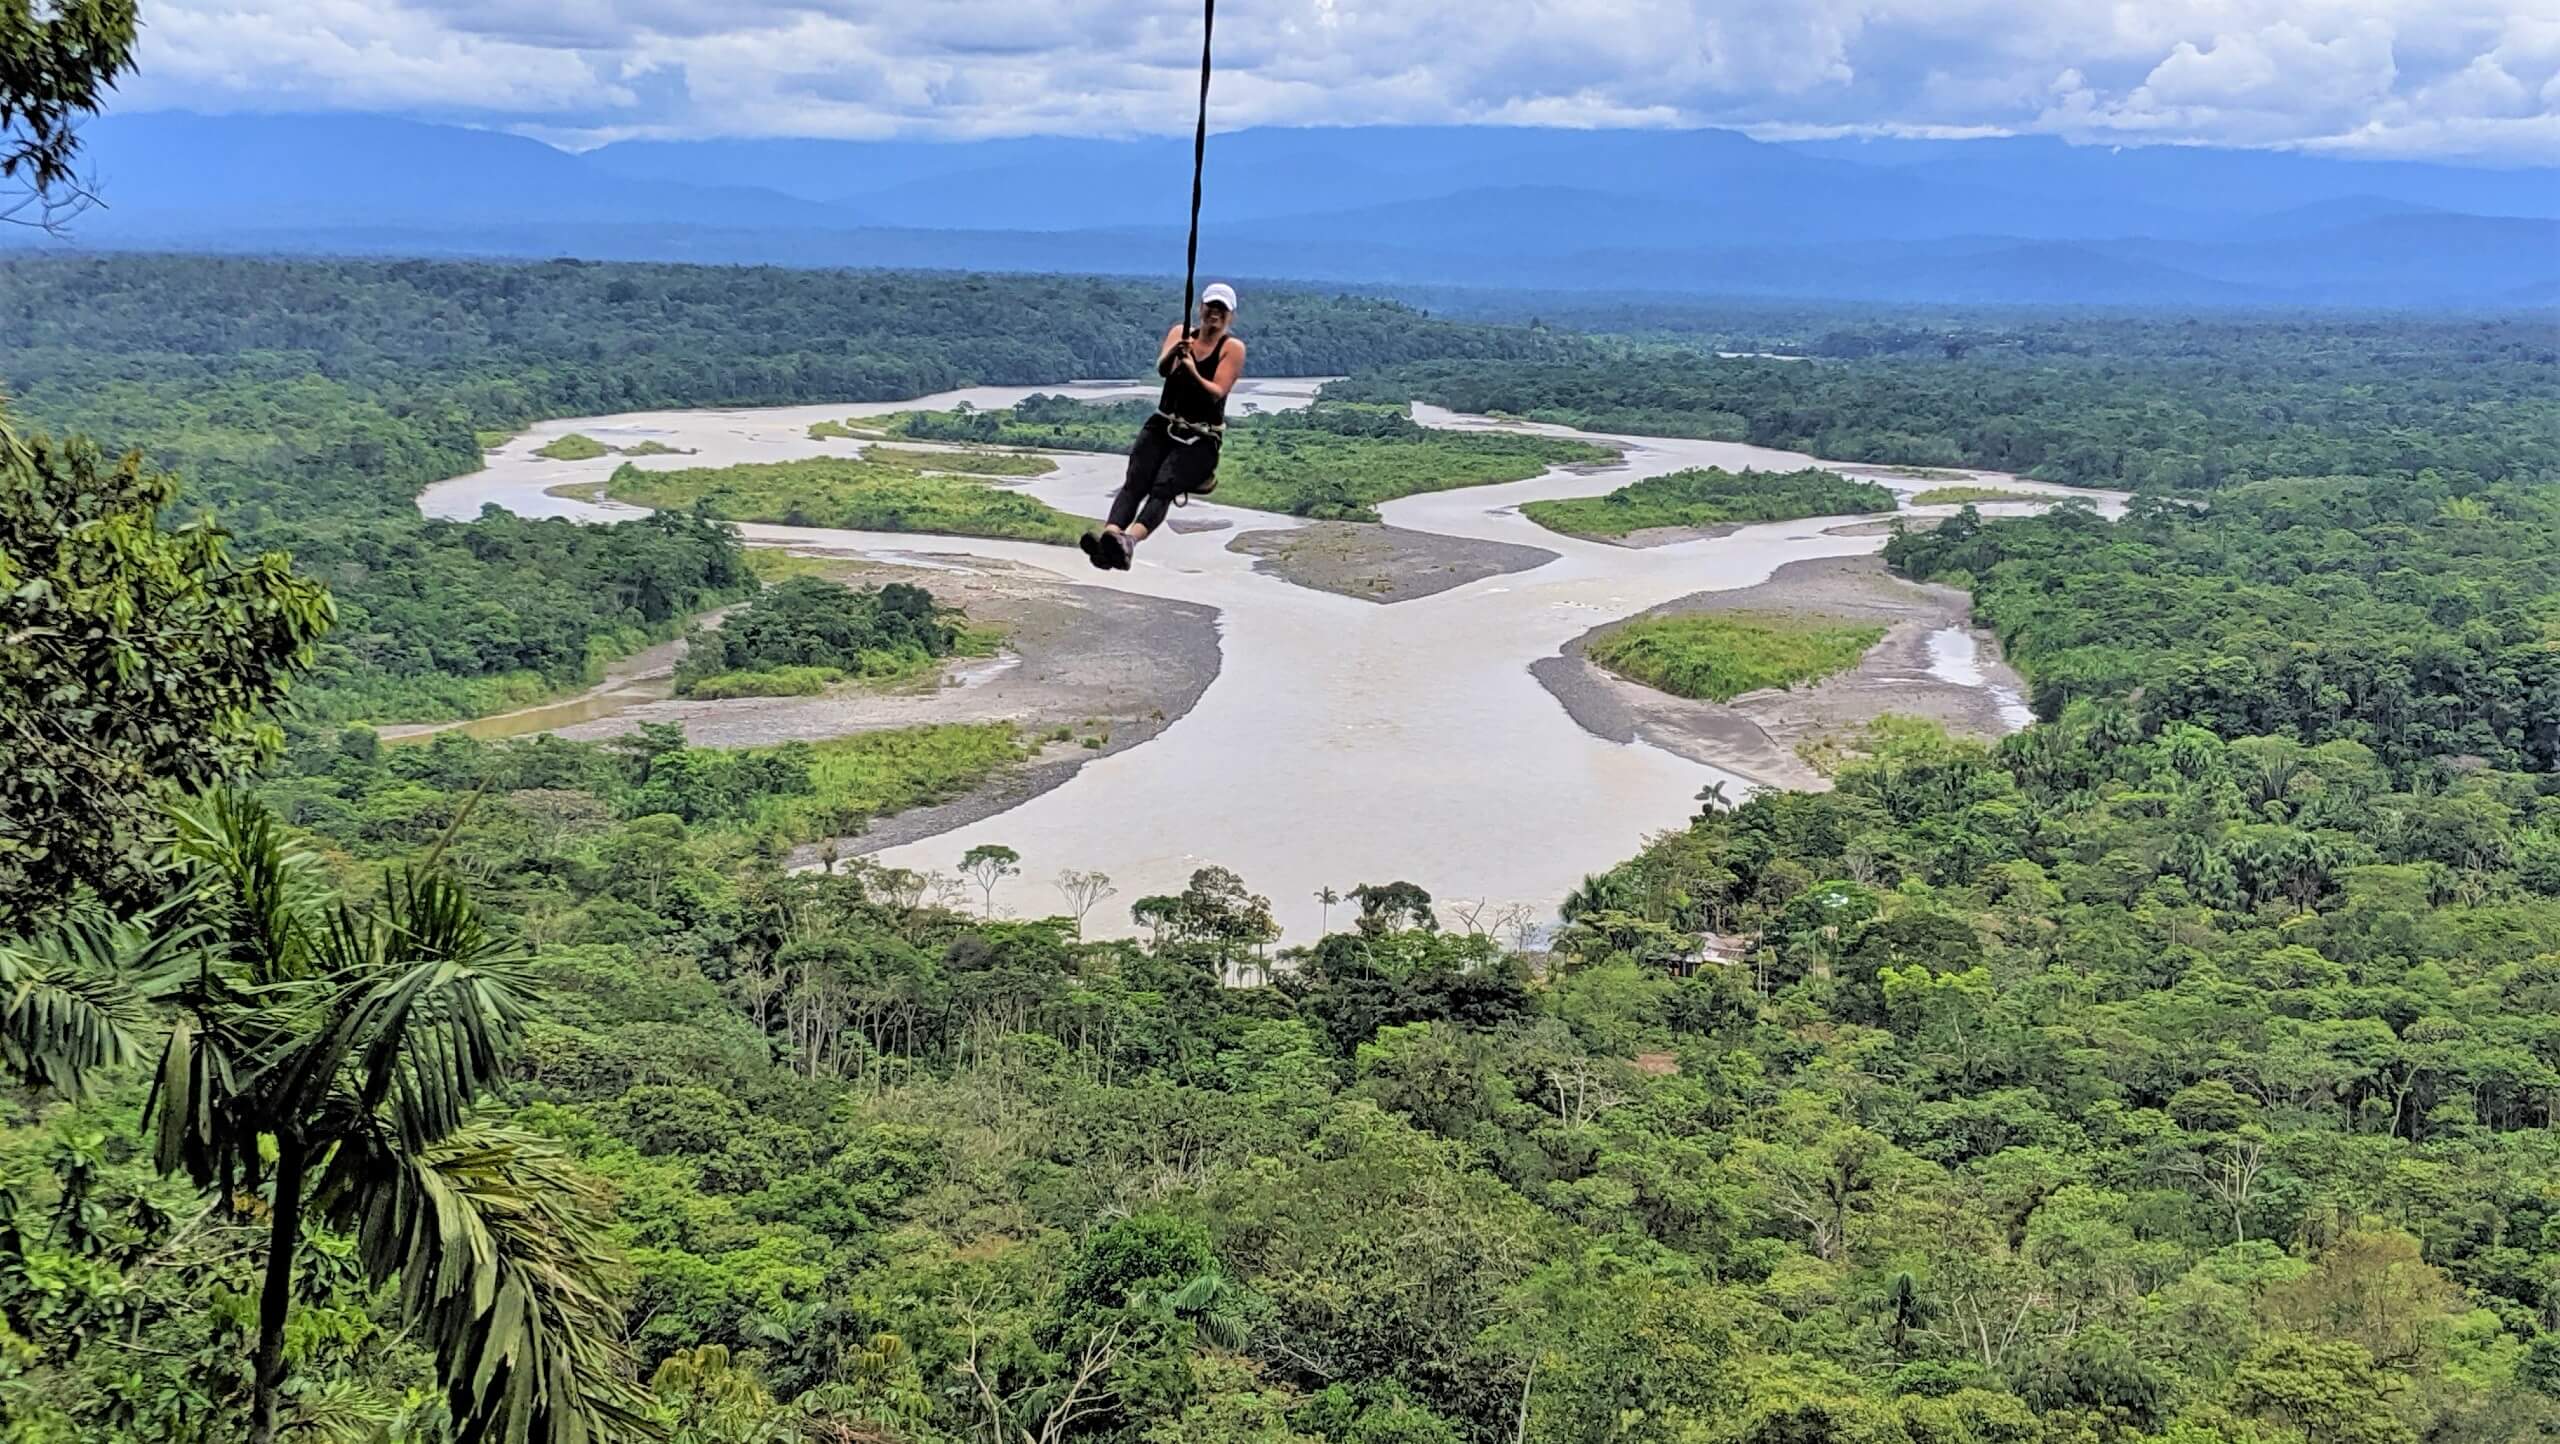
x=766, y=682
x=806, y=625
x=576, y=446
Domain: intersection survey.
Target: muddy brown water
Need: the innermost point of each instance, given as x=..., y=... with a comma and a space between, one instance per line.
x=1342, y=742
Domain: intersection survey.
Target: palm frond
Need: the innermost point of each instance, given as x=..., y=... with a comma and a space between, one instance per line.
x=273, y=885
x=79, y=999
x=428, y=1010
x=338, y=1411
x=493, y=1239
x=1210, y=1304
x=182, y=1105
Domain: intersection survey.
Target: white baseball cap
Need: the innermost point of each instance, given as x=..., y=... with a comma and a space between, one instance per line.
x=1222, y=293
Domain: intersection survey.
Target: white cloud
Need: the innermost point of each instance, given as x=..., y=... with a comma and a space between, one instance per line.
x=353, y=54
x=2277, y=83
x=2454, y=77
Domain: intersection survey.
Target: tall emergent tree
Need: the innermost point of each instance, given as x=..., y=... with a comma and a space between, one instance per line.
x=988, y=864
x=135, y=661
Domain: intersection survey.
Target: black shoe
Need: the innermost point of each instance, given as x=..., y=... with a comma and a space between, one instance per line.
x=1119, y=549
x=1094, y=551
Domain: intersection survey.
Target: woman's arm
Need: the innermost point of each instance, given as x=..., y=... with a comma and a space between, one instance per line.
x=1173, y=338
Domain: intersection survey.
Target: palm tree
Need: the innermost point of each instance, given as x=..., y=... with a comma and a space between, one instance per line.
x=1212, y=1307
x=1326, y=898
x=1712, y=798
x=1609, y=891
x=336, y=1056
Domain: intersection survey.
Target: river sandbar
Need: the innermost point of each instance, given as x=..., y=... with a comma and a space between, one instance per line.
x=1110, y=669
x=1081, y=657
x=1760, y=735
x=1383, y=564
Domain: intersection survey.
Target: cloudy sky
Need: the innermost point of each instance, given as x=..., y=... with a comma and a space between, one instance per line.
x=2476, y=79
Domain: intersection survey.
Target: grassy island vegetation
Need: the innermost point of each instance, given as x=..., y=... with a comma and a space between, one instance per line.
x=842, y=492
x=1967, y=495
x=1723, y=656
x=1331, y=460
x=839, y=431
x=1710, y=496
x=576, y=446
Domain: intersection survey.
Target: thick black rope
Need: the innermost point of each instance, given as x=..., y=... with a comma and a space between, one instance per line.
x=1199, y=159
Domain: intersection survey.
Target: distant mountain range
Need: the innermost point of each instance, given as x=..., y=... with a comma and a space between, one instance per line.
x=2027, y=220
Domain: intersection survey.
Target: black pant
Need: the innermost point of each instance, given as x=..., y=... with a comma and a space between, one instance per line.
x=1160, y=469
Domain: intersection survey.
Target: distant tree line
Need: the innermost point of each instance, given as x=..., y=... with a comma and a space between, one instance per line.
x=2153, y=406
x=306, y=389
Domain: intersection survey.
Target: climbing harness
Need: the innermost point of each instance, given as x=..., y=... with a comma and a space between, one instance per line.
x=1185, y=432
x=1191, y=433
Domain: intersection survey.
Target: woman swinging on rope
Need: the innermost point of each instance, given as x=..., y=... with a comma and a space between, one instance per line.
x=1177, y=450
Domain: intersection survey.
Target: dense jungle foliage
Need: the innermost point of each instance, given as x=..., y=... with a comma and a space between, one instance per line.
x=2181, y=1070
x=2417, y=616
x=443, y=619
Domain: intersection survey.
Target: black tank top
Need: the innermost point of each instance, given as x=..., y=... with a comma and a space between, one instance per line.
x=1189, y=399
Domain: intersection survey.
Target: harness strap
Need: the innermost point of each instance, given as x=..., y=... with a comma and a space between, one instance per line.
x=1176, y=426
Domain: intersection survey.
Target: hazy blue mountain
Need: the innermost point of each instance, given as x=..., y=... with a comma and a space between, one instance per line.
x=2320, y=216
x=2419, y=258
x=831, y=170
x=2235, y=181
x=2029, y=220
x=177, y=171
x=1671, y=179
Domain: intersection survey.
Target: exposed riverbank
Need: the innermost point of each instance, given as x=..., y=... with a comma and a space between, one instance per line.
x=1762, y=735
x=1074, y=657
x=1083, y=673
x=1383, y=564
